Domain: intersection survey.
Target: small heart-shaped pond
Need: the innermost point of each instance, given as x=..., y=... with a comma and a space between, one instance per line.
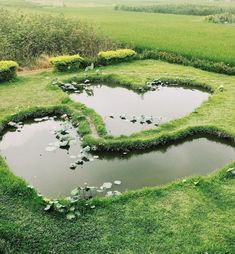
x=33, y=153
x=125, y=111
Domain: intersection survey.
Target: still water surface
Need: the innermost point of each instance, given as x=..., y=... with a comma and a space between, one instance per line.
x=50, y=173
x=162, y=105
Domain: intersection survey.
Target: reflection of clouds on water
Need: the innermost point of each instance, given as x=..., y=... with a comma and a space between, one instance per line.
x=15, y=139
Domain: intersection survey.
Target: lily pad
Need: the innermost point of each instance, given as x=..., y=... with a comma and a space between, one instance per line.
x=106, y=185
x=50, y=148
x=75, y=192
x=48, y=207
x=70, y=216
x=73, y=166
x=117, y=182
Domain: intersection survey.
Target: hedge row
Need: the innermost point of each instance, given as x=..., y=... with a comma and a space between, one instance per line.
x=115, y=56
x=218, y=67
x=75, y=62
x=7, y=70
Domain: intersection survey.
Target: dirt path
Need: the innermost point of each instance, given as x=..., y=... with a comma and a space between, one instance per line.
x=94, y=132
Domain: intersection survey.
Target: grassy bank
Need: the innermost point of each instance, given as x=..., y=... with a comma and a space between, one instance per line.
x=195, y=216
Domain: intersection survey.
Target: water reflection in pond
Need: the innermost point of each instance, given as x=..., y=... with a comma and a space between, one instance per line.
x=145, y=110
x=50, y=172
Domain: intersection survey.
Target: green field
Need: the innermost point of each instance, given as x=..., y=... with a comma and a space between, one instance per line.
x=190, y=36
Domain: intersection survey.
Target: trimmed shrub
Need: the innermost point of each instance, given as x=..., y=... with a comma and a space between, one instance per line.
x=7, y=70
x=116, y=56
x=66, y=63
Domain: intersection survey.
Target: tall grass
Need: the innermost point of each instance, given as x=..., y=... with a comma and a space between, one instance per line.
x=25, y=37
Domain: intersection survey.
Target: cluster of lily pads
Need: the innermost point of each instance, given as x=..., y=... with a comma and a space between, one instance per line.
x=16, y=125
x=83, y=157
x=139, y=119
x=77, y=202
x=65, y=138
x=19, y=125
x=75, y=87
x=155, y=84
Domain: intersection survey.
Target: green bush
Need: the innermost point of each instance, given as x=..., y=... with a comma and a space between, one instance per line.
x=26, y=37
x=7, y=70
x=116, y=56
x=66, y=63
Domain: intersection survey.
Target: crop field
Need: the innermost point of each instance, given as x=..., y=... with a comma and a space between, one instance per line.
x=190, y=36
x=117, y=128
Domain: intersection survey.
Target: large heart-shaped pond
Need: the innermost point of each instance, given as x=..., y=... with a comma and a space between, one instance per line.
x=33, y=153
x=125, y=111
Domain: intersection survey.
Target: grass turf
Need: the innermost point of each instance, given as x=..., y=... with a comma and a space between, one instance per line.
x=178, y=218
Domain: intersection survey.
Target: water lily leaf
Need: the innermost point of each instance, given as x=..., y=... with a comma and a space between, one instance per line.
x=196, y=183
x=85, y=158
x=48, y=207
x=77, y=213
x=72, y=209
x=109, y=193
x=70, y=216
x=117, y=182
x=38, y=119
x=75, y=192
x=117, y=193
x=107, y=185
x=64, y=143
x=86, y=149
x=73, y=166
x=79, y=162
x=231, y=171
x=50, y=148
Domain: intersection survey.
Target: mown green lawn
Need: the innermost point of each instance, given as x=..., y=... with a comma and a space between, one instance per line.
x=182, y=217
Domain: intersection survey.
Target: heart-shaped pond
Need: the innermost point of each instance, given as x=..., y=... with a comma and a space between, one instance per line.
x=125, y=111
x=34, y=154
